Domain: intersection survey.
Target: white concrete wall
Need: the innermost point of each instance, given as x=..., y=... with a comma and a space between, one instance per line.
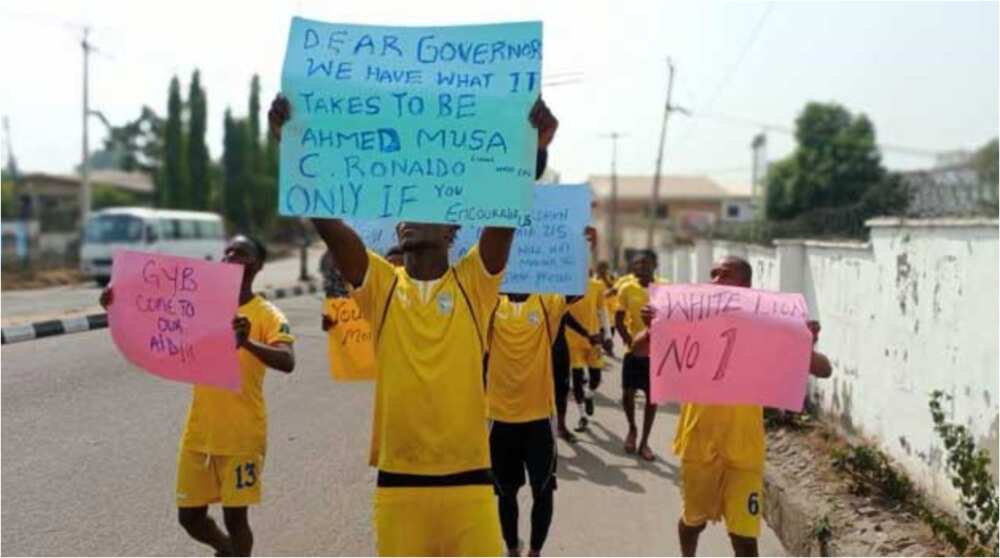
x=912, y=311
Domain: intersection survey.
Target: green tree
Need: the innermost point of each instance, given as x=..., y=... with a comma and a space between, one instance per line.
x=253, y=129
x=235, y=166
x=105, y=195
x=986, y=161
x=8, y=206
x=834, y=164
x=175, y=174
x=136, y=146
x=197, y=151
x=262, y=201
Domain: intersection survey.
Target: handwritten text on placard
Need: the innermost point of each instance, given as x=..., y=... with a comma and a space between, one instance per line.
x=413, y=123
x=173, y=317
x=350, y=348
x=717, y=344
x=549, y=254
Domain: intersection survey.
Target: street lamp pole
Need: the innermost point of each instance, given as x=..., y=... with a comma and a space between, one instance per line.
x=85, y=162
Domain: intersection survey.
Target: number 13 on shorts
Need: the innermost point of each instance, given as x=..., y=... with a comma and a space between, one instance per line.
x=233, y=480
x=246, y=475
x=241, y=482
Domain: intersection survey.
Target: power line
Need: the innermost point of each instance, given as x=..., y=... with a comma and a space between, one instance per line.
x=739, y=59
x=54, y=21
x=786, y=130
x=727, y=170
x=731, y=71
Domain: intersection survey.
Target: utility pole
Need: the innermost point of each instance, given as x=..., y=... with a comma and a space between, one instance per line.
x=759, y=147
x=85, y=163
x=613, y=213
x=654, y=201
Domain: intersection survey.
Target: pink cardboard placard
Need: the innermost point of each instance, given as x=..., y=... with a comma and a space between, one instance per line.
x=729, y=345
x=173, y=317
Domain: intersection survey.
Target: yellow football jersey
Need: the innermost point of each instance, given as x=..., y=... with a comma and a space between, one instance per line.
x=733, y=433
x=222, y=422
x=519, y=379
x=586, y=312
x=430, y=403
x=631, y=298
x=621, y=281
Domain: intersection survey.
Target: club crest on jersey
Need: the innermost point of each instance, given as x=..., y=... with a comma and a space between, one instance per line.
x=534, y=319
x=446, y=303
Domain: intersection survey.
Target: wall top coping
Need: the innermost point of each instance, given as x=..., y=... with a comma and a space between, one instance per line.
x=937, y=222
x=809, y=243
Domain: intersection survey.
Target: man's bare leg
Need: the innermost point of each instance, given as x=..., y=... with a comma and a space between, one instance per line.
x=628, y=403
x=743, y=546
x=238, y=526
x=648, y=416
x=689, y=537
x=202, y=528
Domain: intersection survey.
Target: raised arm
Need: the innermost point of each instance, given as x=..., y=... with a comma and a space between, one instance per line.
x=346, y=247
x=494, y=242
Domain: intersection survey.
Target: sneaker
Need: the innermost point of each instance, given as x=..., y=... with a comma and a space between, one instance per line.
x=588, y=405
x=582, y=425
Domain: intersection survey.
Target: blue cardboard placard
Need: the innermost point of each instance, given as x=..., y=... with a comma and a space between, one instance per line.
x=550, y=255
x=422, y=124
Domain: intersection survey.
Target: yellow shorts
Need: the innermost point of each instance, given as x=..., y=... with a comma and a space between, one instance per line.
x=584, y=357
x=204, y=479
x=437, y=521
x=713, y=490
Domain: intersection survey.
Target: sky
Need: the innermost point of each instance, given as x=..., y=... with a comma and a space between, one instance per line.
x=925, y=73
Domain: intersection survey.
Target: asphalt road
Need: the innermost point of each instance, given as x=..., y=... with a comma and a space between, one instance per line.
x=89, y=449
x=31, y=305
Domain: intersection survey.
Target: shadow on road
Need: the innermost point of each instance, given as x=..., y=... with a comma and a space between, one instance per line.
x=586, y=465
x=602, y=400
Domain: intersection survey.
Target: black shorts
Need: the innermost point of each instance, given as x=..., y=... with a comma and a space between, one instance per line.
x=635, y=373
x=515, y=447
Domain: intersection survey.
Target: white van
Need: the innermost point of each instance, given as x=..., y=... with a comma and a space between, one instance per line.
x=193, y=234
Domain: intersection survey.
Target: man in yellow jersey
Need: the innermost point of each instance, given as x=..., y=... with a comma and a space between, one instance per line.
x=585, y=349
x=612, y=292
x=434, y=493
x=561, y=358
x=632, y=296
x=722, y=449
x=221, y=454
x=521, y=393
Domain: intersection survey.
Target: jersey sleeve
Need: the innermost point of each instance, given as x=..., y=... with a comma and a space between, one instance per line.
x=372, y=296
x=276, y=328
